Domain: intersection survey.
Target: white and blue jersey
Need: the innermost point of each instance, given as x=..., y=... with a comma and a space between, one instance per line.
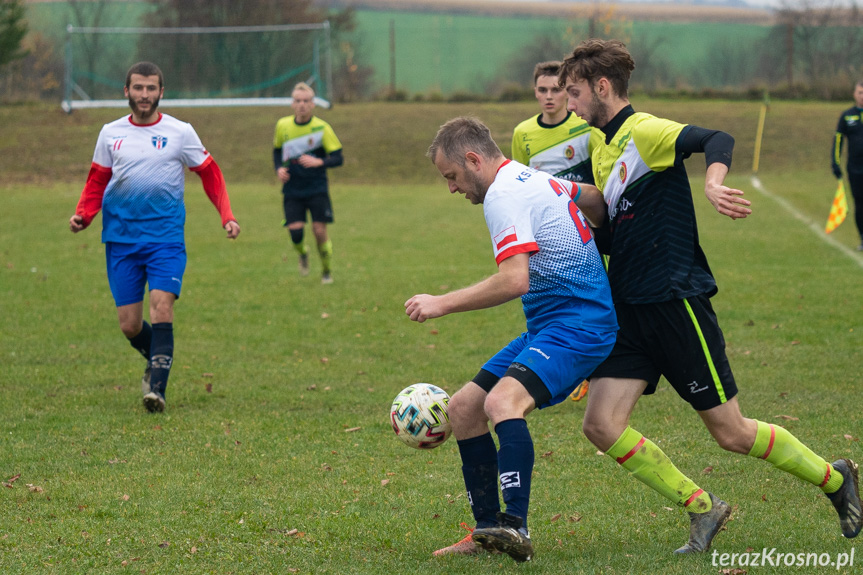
x=143, y=201
x=528, y=211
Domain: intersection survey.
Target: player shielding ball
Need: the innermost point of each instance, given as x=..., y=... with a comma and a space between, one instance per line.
x=546, y=255
x=137, y=180
x=662, y=286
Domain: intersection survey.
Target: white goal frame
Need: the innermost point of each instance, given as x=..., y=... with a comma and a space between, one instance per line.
x=322, y=71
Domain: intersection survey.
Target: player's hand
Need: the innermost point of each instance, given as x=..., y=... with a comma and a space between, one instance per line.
x=837, y=171
x=233, y=229
x=308, y=161
x=76, y=224
x=728, y=201
x=424, y=306
x=284, y=174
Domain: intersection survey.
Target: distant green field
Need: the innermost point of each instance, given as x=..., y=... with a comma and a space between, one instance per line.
x=276, y=455
x=446, y=54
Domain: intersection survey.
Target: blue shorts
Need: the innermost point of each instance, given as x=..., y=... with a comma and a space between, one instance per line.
x=131, y=266
x=549, y=363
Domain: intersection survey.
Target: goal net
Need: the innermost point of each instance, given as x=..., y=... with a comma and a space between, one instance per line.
x=219, y=66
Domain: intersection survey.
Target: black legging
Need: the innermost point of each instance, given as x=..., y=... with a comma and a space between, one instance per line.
x=856, y=181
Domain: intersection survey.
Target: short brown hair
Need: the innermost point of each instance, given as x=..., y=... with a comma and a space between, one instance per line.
x=145, y=69
x=461, y=135
x=594, y=59
x=550, y=68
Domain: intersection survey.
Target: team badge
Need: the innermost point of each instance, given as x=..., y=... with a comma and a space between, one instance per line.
x=159, y=142
x=569, y=152
x=621, y=172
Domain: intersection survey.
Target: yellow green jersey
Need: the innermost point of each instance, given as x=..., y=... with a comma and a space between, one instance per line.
x=562, y=150
x=315, y=138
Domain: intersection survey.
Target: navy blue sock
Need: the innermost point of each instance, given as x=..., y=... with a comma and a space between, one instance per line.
x=515, y=461
x=479, y=467
x=142, y=341
x=162, y=356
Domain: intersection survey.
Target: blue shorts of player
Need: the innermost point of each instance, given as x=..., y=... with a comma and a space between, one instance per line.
x=550, y=363
x=319, y=206
x=131, y=266
x=678, y=339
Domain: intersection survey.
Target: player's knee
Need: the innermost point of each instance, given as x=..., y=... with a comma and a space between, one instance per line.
x=296, y=235
x=130, y=328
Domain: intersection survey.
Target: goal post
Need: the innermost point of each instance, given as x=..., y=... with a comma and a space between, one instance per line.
x=203, y=66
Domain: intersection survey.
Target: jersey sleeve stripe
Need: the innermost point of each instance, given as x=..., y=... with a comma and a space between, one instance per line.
x=519, y=249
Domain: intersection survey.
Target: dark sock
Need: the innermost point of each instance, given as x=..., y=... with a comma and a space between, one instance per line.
x=515, y=462
x=297, y=236
x=162, y=356
x=142, y=341
x=479, y=467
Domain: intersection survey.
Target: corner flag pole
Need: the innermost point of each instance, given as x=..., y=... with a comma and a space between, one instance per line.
x=759, y=134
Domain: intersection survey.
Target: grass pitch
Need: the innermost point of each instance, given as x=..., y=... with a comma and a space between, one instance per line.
x=276, y=455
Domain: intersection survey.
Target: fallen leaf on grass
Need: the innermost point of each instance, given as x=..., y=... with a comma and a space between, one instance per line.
x=850, y=437
x=707, y=470
x=574, y=518
x=384, y=481
x=35, y=488
x=325, y=360
x=125, y=497
x=547, y=454
x=193, y=550
x=207, y=375
x=326, y=467
x=325, y=315
x=12, y=480
x=208, y=388
x=164, y=544
x=764, y=497
x=734, y=571
x=352, y=429
x=786, y=417
x=555, y=517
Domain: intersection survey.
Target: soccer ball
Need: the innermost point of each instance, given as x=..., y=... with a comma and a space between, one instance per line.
x=419, y=416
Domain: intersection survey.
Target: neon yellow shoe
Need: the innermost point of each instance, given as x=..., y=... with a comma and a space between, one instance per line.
x=580, y=391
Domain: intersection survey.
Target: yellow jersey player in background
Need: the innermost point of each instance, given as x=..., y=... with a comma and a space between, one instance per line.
x=304, y=146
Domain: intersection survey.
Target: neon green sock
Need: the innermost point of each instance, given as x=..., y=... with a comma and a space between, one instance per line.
x=651, y=466
x=776, y=445
x=301, y=248
x=326, y=251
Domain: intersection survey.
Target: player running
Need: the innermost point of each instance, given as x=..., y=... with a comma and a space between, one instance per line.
x=662, y=287
x=546, y=255
x=136, y=180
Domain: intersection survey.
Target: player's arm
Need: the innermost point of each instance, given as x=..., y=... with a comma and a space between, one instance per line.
x=282, y=171
x=512, y=280
x=214, y=186
x=836, y=152
x=590, y=201
x=717, y=147
x=91, y=197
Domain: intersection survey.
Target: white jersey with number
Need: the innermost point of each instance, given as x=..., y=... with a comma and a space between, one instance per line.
x=144, y=199
x=528, y=211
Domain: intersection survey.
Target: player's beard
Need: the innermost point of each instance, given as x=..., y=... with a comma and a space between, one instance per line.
x=154, y=107
x=475, y=187
x=597, y=112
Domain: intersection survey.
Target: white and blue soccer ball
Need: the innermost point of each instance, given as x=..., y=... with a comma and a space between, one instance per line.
x=419, y=416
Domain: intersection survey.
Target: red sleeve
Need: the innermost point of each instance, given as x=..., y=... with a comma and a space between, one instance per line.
x=214, y=186
x=91, y=197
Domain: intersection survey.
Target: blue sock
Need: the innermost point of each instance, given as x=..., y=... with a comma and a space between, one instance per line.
x=162, y=356
x=479, y=467
x=515, y=461
x=142, y=341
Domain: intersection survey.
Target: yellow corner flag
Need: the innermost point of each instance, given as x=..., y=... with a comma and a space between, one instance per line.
x=838, y=210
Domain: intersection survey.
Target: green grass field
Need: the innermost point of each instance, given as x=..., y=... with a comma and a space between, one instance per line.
x=275, y=454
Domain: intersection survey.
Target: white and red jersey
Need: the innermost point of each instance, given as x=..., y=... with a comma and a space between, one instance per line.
x=137, y=179
x=528, y=211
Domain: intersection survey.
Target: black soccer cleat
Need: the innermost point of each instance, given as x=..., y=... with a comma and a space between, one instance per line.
x=508, y=536
x=846, y=499
x=703, y=527
x=154, y=402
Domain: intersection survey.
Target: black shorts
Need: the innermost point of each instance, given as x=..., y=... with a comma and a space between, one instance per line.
x=680, y=340
x=318, y=205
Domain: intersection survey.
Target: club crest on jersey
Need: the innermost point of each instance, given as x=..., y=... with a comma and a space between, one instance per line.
x=621, y=172
x=159, y=142
x=568, y=152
